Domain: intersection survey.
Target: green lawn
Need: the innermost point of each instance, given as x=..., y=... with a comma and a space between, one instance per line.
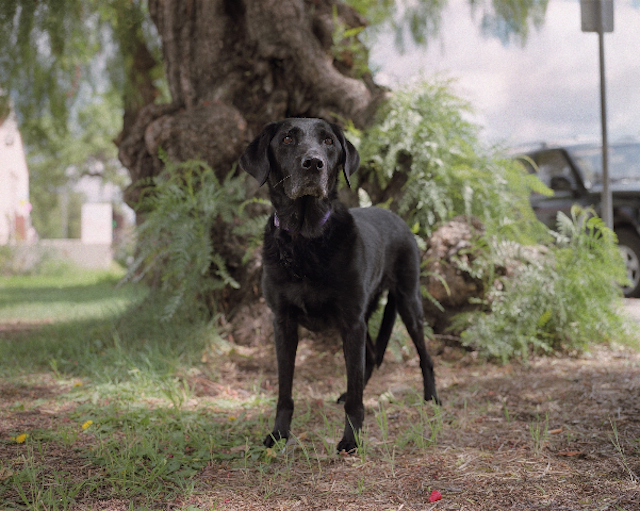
x=86, y=324
x=71, y=295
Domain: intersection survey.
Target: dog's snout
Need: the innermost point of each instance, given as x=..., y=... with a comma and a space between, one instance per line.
x=312, y=163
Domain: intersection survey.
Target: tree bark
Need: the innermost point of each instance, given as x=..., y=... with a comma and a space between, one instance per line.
x=233, y=66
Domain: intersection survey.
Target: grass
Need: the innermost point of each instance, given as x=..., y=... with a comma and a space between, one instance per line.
x=59, y=316
x=539, y=434
x=83, y=324
x=615, y=440
x=122, y=376
x=68, y=295
x=107, y=407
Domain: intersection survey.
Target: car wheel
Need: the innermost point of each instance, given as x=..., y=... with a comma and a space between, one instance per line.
x=629, y=244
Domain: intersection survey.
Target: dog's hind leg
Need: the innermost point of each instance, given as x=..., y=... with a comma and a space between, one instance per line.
x=410, y=309
x=386, y=328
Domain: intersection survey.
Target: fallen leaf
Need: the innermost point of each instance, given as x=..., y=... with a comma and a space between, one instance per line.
x=5, y=473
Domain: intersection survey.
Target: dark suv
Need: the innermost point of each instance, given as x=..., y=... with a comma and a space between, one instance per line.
x=574, y=173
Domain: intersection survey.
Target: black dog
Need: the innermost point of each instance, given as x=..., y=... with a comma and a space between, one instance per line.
x=326, y=266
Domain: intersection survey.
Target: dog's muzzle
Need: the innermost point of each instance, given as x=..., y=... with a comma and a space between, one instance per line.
x=310, y=179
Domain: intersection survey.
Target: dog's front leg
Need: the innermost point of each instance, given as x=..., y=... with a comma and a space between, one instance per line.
x=286, y=339
x=353, y=344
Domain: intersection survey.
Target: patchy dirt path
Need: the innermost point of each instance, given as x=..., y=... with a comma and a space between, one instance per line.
x=561, y=433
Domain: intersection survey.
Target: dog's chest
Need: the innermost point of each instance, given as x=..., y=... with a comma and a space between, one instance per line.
x=308, y=283
x=306, y=263
x=316, y=308
x=313, y=291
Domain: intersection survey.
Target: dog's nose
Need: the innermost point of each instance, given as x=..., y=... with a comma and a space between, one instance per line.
x=312, y=163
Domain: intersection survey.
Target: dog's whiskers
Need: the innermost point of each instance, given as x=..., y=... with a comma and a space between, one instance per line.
x=280, y=182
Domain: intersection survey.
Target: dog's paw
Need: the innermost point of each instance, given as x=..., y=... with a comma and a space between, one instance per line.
x=433, y=397
x=273, y=437
x=346, y=447
x=342, y=398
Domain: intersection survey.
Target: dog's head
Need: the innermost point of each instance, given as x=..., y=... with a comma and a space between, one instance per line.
x=302, y=156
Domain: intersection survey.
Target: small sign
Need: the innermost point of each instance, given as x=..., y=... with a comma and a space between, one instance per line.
x=97, y=224
x=590, y=18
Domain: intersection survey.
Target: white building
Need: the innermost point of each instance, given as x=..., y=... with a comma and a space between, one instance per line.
x=15, y=208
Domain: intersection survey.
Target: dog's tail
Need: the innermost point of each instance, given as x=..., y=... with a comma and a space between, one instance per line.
x=386, y=327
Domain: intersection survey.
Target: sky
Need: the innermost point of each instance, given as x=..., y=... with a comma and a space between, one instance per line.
x=548, y=90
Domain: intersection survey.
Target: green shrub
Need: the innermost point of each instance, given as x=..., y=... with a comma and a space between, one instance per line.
x=565, y=299
x=422, y=131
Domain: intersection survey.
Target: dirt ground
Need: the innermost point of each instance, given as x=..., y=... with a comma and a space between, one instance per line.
x=558, y=433
x=536, y=436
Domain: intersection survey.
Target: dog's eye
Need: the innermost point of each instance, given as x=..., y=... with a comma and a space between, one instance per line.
x=328, y=141
x=288, y=139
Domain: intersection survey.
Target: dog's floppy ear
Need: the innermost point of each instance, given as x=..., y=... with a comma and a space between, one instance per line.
x=255, y=159
x=351, y=158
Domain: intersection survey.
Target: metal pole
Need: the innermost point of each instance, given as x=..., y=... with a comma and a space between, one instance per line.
x=607, y=206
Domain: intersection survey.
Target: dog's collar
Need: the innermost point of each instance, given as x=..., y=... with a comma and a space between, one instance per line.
x=323, y=220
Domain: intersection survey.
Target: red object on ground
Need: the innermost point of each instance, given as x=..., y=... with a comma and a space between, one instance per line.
x=435, y=496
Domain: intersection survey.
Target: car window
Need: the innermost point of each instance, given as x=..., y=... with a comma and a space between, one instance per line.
x=589, y=159
x=624, y=162
x=553, y=165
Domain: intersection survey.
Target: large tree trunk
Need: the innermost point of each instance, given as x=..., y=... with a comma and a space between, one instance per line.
x=234, y=65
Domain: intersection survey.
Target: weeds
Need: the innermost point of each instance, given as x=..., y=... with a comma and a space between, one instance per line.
x=382, y=420
x=614, y=437
x=423, y=432
x=184, y=207
x=423, y=132
x=563, y=298
x=146, y=443
x=141, y=452
x=40, y=489
x=127, y=422
x=505, y=410
x=539, y=432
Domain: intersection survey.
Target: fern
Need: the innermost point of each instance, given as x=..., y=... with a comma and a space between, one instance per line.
x=423, y=131
x=175, y=249
x=565, y=299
